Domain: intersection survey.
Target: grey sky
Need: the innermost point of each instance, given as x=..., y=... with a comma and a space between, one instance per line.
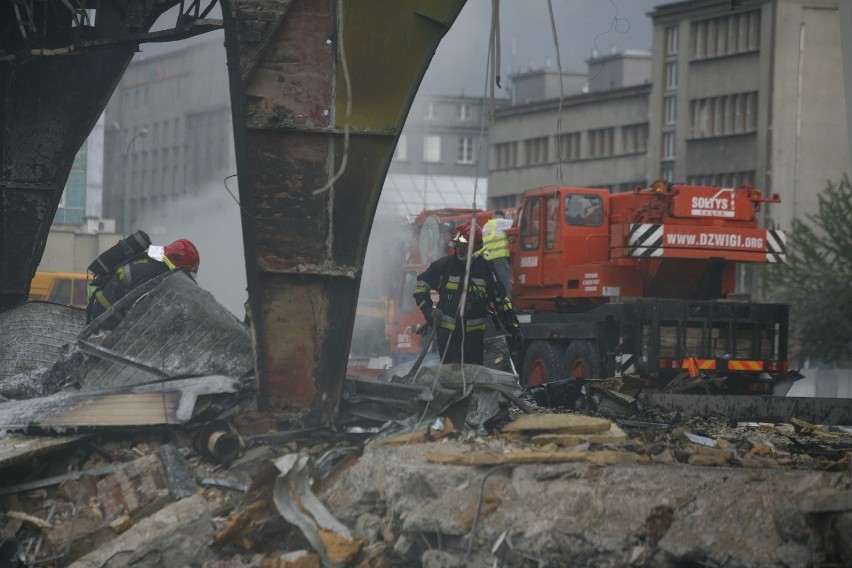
x=459, y=65
x=582, y=26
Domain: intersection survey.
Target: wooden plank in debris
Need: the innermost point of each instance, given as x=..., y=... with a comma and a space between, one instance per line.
x=559, y=423
x=605, y=457
x=614, y=435
x=15, y=449
x=168, y=402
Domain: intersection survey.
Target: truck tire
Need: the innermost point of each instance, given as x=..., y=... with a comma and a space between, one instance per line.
x=542, y=363
x=582, y=360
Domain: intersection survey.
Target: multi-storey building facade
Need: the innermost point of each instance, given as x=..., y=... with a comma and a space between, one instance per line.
x=752, y=95
x=443, y=136
x=168, y=130
x=592, y=133
x=441, y=158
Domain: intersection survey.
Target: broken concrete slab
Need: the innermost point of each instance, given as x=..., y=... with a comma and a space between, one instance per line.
x=176, y=535
x=593, y=516
x=519, y=457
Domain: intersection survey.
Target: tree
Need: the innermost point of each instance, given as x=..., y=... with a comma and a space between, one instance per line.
x=816, y=281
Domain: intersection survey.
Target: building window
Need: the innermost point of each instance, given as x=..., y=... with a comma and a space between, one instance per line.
x=751, y=112
x=672, y=40
x=601, y=142
x=724, y=116
x=634, y=138
x=711, y=38
x=401, y=152
x=465, y=153
x=431, y=111
x=753, y=30
x=432, y=149
x=671, y=75
x=728, y=35
x=463, y=111
x=699, y=33
x=722, y=36
x=670, y=113
x=506, y=155
x=667, y=173
x=569, y=147
x=668, y=145
x=535, y=150
x=728, y=179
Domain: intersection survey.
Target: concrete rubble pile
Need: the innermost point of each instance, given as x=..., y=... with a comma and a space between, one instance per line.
x=143, y=447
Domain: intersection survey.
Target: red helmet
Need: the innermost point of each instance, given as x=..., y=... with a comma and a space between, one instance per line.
x=183, y=254
x=460, y=239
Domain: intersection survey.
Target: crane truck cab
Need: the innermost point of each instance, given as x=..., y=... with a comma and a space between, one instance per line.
x=642, y=283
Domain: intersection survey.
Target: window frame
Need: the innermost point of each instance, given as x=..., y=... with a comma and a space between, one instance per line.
x=431, y=146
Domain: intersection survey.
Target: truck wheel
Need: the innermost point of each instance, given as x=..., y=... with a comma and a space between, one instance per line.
x=542, y=363
x=582, y=360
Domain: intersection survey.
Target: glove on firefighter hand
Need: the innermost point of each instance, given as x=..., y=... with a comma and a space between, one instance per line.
x=435, y=317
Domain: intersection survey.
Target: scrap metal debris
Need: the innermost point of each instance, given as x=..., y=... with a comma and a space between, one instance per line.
x=171, y=465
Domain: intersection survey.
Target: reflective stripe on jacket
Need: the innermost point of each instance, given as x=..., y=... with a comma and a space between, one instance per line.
x=446, y=275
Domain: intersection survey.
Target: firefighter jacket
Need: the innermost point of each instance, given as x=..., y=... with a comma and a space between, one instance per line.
x=446, y=276
x=495, y=242
x=117, y=284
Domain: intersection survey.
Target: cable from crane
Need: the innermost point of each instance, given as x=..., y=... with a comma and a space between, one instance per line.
x=342, y=57
x=559, y=156
x=491, y=70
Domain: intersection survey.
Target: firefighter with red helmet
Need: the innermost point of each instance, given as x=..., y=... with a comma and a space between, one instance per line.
x=461, y=332
x=134, y=271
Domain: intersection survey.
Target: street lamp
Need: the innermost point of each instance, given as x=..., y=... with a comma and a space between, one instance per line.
x=125, y=213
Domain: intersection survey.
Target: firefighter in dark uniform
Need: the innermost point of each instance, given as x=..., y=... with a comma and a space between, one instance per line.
x=113, y=286
x=461, y=337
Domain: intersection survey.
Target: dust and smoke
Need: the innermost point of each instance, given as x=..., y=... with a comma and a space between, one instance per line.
x=210, y=218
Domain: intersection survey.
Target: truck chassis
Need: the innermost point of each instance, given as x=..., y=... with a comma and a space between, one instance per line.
x=740, y=345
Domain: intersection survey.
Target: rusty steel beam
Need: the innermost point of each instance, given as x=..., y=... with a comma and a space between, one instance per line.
x=320, y=90
x=49, y=105
x=58, y=68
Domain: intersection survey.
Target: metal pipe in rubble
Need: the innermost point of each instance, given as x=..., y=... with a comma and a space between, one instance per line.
x=219, y=445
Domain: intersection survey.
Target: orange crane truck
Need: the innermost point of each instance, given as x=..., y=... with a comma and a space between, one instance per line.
x=642, y=283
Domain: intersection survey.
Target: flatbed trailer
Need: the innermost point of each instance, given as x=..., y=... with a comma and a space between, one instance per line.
x=661, y=341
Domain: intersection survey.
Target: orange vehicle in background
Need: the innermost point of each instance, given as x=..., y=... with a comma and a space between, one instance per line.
x=642, y=283
x=70, y=288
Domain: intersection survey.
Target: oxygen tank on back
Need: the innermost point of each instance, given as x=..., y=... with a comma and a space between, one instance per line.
x=121, y=253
